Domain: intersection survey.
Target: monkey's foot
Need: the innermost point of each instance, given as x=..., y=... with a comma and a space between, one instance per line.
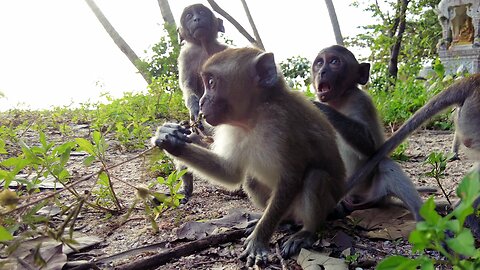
x=298, y=241
x=255, y=252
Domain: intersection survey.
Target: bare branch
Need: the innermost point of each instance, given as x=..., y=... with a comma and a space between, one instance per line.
x=237, y=25
x=252, y=24
x=121, y=43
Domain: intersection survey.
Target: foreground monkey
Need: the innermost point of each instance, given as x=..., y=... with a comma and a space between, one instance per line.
x=273, y=135
x=198, y=30
x=336, y=73
x=465, y=94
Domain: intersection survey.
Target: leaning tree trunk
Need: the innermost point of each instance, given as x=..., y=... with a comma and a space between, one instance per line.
x=167, y=13
x=395, y=50
x=334, y=20
x=252, y=24
x=121, y=43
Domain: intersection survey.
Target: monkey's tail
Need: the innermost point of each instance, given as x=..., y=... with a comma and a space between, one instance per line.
x=453, y=95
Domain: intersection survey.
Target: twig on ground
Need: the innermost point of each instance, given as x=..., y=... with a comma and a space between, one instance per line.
x=184, y=250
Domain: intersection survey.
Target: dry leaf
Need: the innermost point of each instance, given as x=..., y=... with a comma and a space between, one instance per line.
x=310, y=260
x=388, y=223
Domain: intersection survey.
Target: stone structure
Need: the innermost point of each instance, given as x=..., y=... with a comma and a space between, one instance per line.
x=459, y=47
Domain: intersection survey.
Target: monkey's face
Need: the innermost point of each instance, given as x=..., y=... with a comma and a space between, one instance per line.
x=335, y=71
x=234, y=83
x=198, y=23
x=329, y=71
x=214, y=104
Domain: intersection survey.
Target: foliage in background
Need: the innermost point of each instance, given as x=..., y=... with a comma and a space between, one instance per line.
x=397, y=99
x=163, y=61
x=422, y=33
x=296, y=70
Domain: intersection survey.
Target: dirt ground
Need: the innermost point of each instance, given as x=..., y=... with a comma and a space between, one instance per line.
x=211, y=202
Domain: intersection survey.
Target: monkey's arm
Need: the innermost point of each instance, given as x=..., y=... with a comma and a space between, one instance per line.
x=192, y=100
x=173, y=139
x=355, y=133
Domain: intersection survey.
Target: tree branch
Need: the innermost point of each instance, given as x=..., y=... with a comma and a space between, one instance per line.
x=252, y=24
x=237, y=25
x=184, y=250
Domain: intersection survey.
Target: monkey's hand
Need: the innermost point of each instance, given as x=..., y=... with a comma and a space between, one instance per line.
x=255, y=251
x=172, y=138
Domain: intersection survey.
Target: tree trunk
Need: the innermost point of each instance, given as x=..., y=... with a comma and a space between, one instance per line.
x=334, y=20
x=121, y=43
x=166, y=12
x=252, y=24
x=237, y=25
x=395, y=50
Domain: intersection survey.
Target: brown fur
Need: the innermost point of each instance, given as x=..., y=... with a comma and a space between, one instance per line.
x=273, y=135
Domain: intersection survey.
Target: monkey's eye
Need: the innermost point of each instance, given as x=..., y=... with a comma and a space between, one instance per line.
x=188, y=16
x=319, y=63
x=335, y=61
x=211, y=82
x=202, y=12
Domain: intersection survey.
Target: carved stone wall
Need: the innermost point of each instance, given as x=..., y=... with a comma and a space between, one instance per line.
x=460, y=42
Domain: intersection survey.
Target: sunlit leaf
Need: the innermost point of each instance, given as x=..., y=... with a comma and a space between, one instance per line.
x=5, y=235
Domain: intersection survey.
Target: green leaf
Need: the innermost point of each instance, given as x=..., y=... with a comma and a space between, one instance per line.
x=397, y=263
x=96, y=136
x=5, y=235
x=161, y=180
x=89, y=160
x=427, y=211
x=2, y=147
x=419, y=239
x=463, y=243
x=103, y=179
x=85, y=146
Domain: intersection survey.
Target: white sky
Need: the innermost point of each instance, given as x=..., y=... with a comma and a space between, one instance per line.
x=54, y=52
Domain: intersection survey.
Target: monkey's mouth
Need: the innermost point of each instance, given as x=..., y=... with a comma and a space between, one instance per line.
x=323, y=89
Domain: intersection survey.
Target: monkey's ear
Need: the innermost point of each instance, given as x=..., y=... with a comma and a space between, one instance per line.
x=266, y=70
x=363, y=73
x=220, y=27
x=180, y=35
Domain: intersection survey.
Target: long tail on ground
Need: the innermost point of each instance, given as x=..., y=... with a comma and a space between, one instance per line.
x=453, y=95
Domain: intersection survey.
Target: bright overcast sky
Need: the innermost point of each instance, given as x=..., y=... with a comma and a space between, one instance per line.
x=53, y=52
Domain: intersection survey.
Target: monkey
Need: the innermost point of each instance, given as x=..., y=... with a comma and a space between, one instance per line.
x=336, y=74
x=465, y=94
x=198, y=31
x=270, y=140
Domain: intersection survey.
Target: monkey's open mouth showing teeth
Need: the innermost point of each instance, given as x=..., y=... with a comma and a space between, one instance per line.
x=323, y=88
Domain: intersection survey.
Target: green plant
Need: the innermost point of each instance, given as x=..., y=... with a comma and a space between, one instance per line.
x=353, y=258
x=438, y=161
x=156, y=203
x=457, y=246
x=296, y=70
x=399, y=152
x=96, y=150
